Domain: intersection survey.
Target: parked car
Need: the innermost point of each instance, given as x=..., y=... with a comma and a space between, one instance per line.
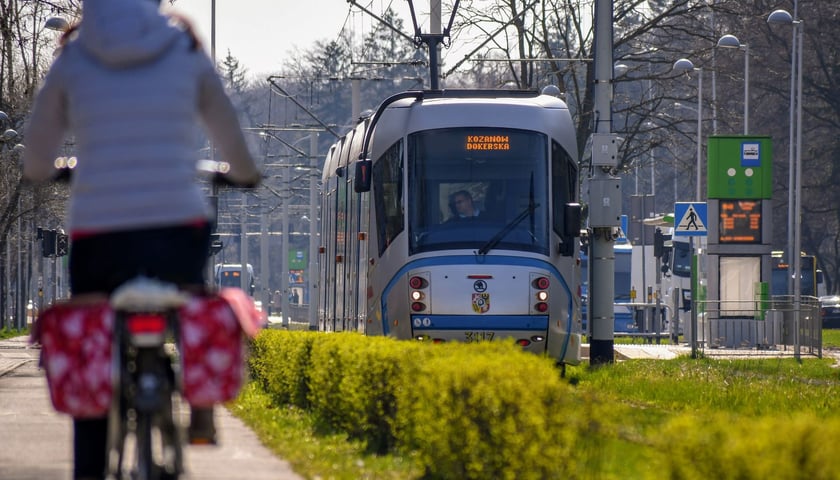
x=830, y=311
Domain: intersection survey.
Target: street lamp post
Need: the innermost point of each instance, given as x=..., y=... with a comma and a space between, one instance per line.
x=685, y=65
x=731, y=41
x=795, y=172
x=58, y=24
x=679, y=105
x=8, y=142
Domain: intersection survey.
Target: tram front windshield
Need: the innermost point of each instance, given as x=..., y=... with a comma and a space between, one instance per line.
x=480, y=189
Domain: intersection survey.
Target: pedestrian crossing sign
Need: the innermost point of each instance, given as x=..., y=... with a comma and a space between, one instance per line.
x=690, y=219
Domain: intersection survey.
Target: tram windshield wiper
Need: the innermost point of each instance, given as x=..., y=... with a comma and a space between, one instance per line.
x=529, y=210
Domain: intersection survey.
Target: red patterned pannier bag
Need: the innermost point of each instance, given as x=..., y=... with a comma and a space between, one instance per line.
x=75, y=340
x=211, y=345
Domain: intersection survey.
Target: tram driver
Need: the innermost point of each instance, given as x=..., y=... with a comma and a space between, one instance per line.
x=462, y=207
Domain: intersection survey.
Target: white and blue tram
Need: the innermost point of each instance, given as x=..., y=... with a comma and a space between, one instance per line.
x=398, y=258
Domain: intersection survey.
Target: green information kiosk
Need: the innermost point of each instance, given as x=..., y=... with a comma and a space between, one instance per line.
x=740, y=235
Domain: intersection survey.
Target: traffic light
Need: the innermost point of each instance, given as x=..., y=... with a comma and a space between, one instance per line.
x=658, y=243
x=62, y=244
x=215, y=243
x=48, y=243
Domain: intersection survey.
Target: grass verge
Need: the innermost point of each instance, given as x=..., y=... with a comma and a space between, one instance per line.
x=314, y=452
x=831, y=338
x=12, y=332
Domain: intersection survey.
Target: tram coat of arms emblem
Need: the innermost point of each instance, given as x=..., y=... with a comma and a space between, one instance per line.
x=481, y=302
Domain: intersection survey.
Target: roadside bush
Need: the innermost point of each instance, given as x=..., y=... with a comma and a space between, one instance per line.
x=279, y=362
x=463, y=411
x=727, y=447
x=353, y=384
x=490, y=411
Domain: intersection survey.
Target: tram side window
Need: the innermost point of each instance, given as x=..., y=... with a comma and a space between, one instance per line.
x=387, y=188
x=564, y=183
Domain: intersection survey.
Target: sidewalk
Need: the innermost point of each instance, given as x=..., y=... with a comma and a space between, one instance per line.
x=35, y=441
x=668, y=351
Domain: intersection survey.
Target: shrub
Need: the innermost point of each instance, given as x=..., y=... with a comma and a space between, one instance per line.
x=489, y=411
x=279, y=363
x=353, y=383
x=727, y=447
x=463, y=411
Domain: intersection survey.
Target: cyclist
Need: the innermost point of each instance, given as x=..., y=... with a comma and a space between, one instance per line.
x=129, y=84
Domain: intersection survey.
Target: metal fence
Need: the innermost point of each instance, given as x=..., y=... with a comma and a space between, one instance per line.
x=762, y=324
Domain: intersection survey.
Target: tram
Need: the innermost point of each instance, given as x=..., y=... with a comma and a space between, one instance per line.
x=811, y=283
x=454, y=216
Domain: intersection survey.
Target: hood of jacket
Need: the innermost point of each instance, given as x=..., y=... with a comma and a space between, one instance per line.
x=123, y=33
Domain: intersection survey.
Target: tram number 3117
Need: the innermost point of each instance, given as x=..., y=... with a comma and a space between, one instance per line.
x=478, y=336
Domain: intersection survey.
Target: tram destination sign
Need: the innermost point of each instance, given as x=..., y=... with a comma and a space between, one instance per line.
x=488, y=142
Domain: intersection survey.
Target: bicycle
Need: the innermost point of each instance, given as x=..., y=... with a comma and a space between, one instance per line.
x=125, y=357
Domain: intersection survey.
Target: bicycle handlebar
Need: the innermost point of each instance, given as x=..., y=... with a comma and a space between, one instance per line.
x=217, y=171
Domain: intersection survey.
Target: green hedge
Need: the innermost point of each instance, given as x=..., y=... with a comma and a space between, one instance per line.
x=489, y=410
x=721, y=446
x=280, y=364
x=492, y=411
x=465, y=411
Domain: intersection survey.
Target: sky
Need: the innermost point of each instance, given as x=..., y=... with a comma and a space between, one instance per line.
x=261, y=33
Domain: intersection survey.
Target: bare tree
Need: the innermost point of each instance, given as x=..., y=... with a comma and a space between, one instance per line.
x=26, y=50
x=533, y=43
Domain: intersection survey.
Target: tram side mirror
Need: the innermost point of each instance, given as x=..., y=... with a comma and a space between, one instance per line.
x=572, y=214
x=571, y=229
x=361, y=182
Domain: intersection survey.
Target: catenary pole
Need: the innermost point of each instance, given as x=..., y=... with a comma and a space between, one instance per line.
x=313, y=232
x=604, y=195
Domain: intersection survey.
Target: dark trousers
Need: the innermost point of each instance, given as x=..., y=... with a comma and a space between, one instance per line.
x=103, y=262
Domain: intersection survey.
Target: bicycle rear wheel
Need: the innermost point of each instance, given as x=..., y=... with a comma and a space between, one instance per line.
x=143, y=437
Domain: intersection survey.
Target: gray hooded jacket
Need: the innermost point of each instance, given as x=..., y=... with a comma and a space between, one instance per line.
x=130, y=88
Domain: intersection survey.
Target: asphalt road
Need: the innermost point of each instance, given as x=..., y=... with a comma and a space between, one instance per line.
x=35, y=441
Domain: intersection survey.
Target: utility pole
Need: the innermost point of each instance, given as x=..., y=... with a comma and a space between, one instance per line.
x=264, y=287
x=244, y=277
x=604, y=195
x=313, y=232
x=284, y=250
x=435, y=29
x=434, y=39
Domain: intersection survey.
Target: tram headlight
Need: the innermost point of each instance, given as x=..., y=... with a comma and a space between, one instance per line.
x=542, y=296
x=417, y=295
